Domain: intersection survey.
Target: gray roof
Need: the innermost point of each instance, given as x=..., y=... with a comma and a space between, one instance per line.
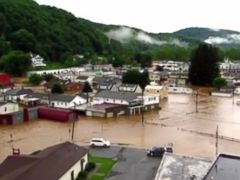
x=42, y=96
x=128, y=85
x=53, y=97
x=15, y=92
x=225, y=167
x=61, y=97
x=106, y=80
x=50, y=163
x=128, y=96
x=176, y=167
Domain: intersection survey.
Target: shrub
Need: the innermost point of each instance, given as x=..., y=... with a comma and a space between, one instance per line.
x=90, y=166
x=82, y=175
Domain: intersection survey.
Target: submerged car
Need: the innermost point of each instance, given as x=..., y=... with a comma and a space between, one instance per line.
x=158, y=151
x=99, y=142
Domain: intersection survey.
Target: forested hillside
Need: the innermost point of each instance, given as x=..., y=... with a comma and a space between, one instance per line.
x=58, y=36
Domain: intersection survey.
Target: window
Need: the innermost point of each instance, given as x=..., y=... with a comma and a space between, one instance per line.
x=5, y=109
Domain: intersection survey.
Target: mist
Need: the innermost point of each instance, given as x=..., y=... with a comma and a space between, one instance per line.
x=125, y=34
x=229, y=39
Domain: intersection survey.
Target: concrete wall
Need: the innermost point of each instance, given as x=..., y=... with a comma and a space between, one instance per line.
x=76, y=168
x=17, y=118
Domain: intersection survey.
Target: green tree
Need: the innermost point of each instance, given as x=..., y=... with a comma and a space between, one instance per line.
x=204, y=65
x=4, y=46
x=117, y=62
x=144, y=79
x=16, y=63
x=23, y=40
x=48, y=77
x=57, y=89
x=87, y=88
x=219, y=82
x=35, y=79
x=144, y=59
x=135, y=77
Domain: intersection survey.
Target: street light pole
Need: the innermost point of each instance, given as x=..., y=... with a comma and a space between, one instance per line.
x=73, y=127
x=217, y=141
x=142, y=108
x=233, y=95
x=197, y=101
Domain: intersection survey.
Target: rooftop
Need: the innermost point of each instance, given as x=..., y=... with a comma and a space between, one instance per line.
x=225, y=167
x=128, y=96
x=176, y=167
x=43, y=164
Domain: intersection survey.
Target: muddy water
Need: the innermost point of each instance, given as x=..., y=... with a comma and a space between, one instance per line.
x=177, y=124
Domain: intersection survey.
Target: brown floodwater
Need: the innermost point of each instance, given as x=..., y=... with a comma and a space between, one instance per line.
x=177, y=124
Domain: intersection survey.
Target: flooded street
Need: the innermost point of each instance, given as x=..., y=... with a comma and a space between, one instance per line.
x=177, y=124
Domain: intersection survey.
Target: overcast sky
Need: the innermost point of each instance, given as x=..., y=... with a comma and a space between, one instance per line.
x=156, y=15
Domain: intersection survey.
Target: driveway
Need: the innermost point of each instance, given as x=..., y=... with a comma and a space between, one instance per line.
x=131, y=163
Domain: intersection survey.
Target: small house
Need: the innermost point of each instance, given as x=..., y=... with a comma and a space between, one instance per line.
x=161, y=91
x=134, y=88
x=61, y=162
x=15, y=95
x=7, y=107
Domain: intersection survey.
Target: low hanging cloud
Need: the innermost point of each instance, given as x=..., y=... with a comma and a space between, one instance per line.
x=125, y=34
x=229, y=39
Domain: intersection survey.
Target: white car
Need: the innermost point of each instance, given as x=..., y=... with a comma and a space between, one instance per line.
x=99, y=142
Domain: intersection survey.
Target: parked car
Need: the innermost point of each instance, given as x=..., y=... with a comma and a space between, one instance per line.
x=158, y=151
x=99, y=142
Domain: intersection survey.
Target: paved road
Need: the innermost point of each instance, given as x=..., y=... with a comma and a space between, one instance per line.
x=131, y=163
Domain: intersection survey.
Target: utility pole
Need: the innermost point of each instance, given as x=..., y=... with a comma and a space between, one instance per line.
x=197, y=101
x=233, y=95
x=73, y=127
x=217, y=141
x=142, y=108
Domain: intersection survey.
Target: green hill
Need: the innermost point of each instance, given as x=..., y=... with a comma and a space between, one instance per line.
x=58, y=35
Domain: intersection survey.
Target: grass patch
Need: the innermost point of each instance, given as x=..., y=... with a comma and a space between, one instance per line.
x=105, y=165
x=95, y=177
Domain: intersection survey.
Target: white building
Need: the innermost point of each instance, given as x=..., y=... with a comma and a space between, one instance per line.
x=6, y=108
x=37, y=60
x=66, y=101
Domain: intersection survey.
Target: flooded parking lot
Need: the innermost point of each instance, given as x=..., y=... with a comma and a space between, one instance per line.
x=177, y=124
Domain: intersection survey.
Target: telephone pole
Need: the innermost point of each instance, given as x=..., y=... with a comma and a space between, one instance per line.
x=233, y=95
x=197, y=101
x=142, y=108
x=217, y=141
x=73, y=127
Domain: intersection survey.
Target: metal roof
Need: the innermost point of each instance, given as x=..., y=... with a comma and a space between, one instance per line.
x=225, y=167
x=127, y=96
x=179, y=167
x=15, y=92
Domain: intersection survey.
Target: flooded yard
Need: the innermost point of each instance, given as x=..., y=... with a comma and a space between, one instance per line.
x=177, y=124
